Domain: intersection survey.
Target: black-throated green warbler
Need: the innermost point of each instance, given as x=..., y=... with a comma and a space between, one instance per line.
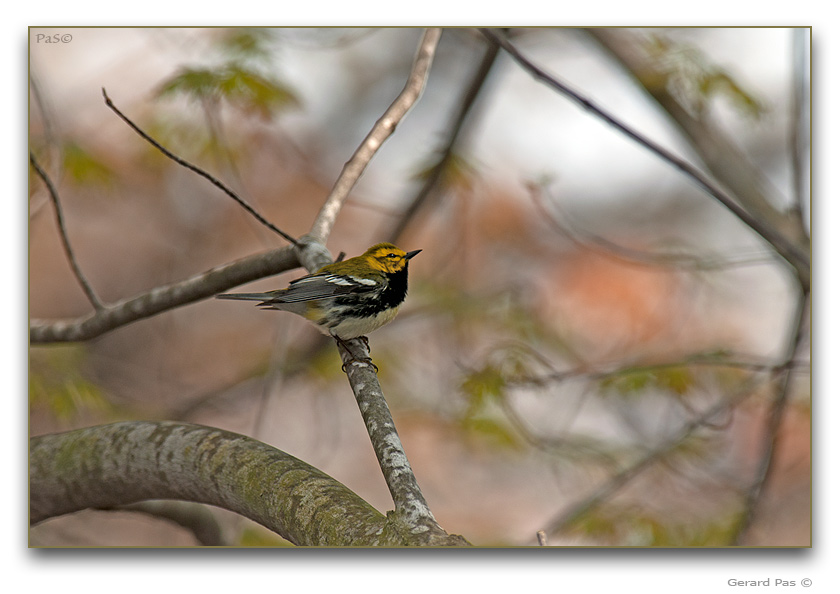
x=346, y=299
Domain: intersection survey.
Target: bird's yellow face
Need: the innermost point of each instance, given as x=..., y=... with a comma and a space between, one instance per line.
x=388, y=258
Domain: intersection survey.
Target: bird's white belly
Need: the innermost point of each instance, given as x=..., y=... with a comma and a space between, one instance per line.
x=355, y=327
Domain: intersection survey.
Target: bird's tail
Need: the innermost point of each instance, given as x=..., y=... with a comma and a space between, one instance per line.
x=246, y=296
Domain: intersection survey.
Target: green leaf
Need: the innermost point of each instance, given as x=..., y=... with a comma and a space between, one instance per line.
x=483, y=386
x=628, y=383
x=56, y=383
x=693, y=79
x=632, y=525
x=256, y=93
x=677, y=380
x=240, y=86
x=457, y=173
x=492, y=431
x=250, y=43
x=194, y=83
x=83, y=167
x=718, y=82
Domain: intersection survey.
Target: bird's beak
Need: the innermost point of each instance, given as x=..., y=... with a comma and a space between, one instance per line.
x=410, y=255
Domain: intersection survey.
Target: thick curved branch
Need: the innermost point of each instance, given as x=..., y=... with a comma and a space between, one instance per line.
x=383, y=128
x=122, y=463
x=164, y=298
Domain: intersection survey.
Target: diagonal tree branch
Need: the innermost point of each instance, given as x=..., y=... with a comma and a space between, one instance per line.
x=65, y=240
x=412, y=512
x=310, y=251
x=123, y=463
x=197, y=170
x=437, y=171
x=799, y=122
x=765, y=467
x=164, y=298
x=618, y=481
x=408, y=499
x=382, y=129
x=720, y=155
x=602, y=246
x=795, y=255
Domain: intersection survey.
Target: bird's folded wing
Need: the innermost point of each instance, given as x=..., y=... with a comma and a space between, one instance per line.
x=321, y=286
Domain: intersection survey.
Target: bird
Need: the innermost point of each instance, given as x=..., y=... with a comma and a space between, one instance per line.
x=346, y=299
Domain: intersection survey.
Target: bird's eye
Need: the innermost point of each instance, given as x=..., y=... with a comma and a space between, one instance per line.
x=392, y=255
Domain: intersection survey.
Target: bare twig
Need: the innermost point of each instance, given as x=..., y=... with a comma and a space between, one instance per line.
x=159, y=299
x=382, y=129
x=699, y=360
x=51, y=131
x=797, y=257
x=59, y=215
x=197, y=170
x=434, y=176
x=556, y=445
x=724, y=160
x=771, y=433
x=798, y=120
x=195, y=517
x=615, y=483
x=566, y=444
x=595, y=243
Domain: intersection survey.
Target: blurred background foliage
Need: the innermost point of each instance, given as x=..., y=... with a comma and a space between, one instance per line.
x=551, y=339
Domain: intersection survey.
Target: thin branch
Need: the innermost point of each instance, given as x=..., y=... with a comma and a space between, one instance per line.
x=565, y=444
x=798, y=258
x=195, y=517
x=436, y=172
x=556, y=445
x=595, y=243
x=699, y=360
x=309, y=251
x=765, y=466
x=726, y=162
x=51, y=131
x=382, y=129
x=164, y=298
x=71, y=257
x=799, y=121
x=197, y=170
x=615, y=483
x=408, y=499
